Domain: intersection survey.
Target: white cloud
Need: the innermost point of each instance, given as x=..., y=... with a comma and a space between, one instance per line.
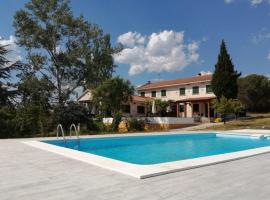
x=255, y=2
x=268, y=56
x=130, y=39
x=164, y=51
x=205, y=73
x=252, y=2
x=263, y=35
x=228, y=1
x=14, y=53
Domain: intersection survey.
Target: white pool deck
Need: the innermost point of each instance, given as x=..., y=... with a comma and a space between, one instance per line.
x=32, y=173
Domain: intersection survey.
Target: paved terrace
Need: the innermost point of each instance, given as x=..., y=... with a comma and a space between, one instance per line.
x=30, y=173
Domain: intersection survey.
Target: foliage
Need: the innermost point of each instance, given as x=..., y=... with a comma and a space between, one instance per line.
x=33, y=114
x=7, y=108
x=96, y=125
x=254, y=93
x=7, y=123
x=148, y=106
x=223, y=106
x=110, y=95
x=161, y=107
x=237, y=108
x=30, y=120
x=116, y=121
x=5, y=70
x=224, y=81
x=67, y=50
x=135, y=124
x=71, y=113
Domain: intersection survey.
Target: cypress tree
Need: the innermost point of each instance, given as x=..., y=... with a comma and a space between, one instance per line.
x=224, y=81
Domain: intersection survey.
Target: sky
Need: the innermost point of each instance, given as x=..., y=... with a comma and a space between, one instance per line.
x=173, y=38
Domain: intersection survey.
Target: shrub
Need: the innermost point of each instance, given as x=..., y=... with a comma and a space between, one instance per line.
x=116, y=121
x=96, y=125
x=71, y=113
x=135, y=124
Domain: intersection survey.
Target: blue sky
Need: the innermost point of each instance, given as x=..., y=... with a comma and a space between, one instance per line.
x=244, y=24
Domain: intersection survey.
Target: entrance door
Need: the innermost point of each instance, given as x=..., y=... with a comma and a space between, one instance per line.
x=196, y=109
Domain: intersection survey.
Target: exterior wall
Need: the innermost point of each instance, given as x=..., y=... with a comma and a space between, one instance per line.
x=133, y=110
x=173, y=93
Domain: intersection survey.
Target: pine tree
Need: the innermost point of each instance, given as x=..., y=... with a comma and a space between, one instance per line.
x=224, y=81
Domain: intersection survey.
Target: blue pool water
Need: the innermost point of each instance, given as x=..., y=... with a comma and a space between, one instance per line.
x=163, y=148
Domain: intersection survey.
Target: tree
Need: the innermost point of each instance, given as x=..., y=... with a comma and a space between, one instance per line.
x=148, y=106
x=67, y=50
x=5, y=70
x=254, y=92
x=33, y=114
x=161, y=106
x=224, y=81
x=223, y=106
x=110, y=95
x=237, y=108
x=7, y=109
x=71, y=113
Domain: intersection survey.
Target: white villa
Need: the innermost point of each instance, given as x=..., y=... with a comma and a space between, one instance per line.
x=189, y=97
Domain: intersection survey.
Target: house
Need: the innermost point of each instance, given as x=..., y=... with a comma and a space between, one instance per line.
x=134, y=108
x=189, y=97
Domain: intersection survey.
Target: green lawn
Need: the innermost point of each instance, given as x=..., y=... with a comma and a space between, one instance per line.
x=261, y=120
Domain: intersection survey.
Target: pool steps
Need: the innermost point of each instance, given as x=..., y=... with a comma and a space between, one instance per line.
x=60, y=128
x=76, y=132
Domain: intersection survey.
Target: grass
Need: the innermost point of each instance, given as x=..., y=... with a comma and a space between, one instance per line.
x=258, y=121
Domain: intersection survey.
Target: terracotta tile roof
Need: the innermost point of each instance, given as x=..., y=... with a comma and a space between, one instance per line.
x=196, y=99
x=181, y=81
x=140, y=98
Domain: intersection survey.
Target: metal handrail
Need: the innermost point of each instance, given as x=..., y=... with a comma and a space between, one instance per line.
x=76, y=132
x=60, y=127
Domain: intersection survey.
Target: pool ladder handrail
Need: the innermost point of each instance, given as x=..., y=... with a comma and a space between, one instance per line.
x=60, y=127
x=76, y=132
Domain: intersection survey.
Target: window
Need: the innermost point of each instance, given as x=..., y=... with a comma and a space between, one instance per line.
x=140, y=109
x=126, y=108
x=163, y=93
x=154, y=93
x=195, y=90
x=142, y=94
x=182, y=91
x=209, y=89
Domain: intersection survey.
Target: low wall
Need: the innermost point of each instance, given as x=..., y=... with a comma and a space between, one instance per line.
x=169, y=120
x=159, y=120
x=157, y=123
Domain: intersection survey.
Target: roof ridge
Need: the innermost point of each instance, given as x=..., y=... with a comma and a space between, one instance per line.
x=176, y=81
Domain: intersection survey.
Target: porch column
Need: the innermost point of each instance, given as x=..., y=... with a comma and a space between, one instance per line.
x=208, y=109
x=177, y=109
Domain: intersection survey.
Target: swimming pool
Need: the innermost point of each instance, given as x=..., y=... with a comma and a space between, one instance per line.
x=145, y=156
x=145, y=150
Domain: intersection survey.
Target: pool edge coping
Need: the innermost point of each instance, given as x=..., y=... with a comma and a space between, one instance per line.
x=147, y=171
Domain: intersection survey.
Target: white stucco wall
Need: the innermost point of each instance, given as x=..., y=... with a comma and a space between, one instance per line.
x=173, y=93
x=160, y=120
